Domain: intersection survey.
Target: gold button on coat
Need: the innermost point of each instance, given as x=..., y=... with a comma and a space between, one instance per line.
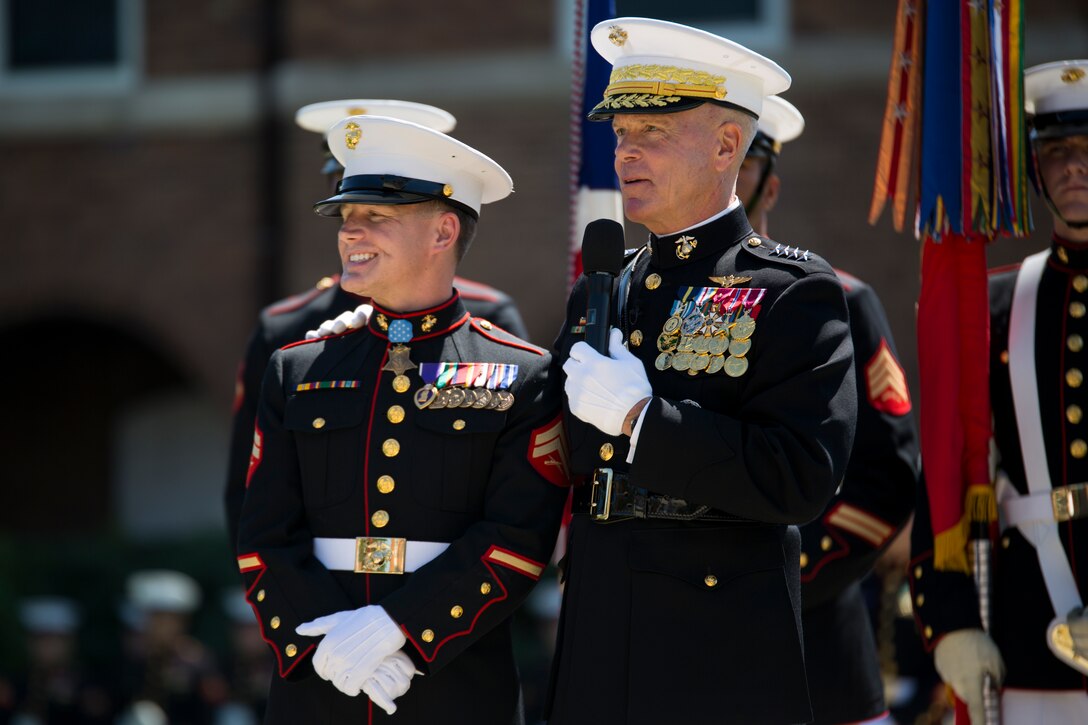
x=386, y=484
x=917, y=572
x=274, y=622
x=929, y=632
x=754, y=242
x=1076, y=309
x=485, y=324
x=1073, y=414
x=458, y=424
x=260, y=596
x=636, y=338
x=825, y=543
x=1075, y=343
x=401, y=383
x=395, y=414
x=290, y=650
x=1005, y=542
x=380, y=518
x=1004, y=357
x=457, y=611
x=319, y=423
x=390, y=447
x=1080, y=283
x=804, y=560
x=1074, y=377
x=920, y=600
x=485, y=588
x=653, y=281
x=711, y=580
x=1078, y=448
x=428, y=635
x=607, y=451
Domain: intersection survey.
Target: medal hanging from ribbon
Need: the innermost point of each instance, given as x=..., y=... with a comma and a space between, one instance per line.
x=400, y=332
x=709, y=330
x=483, y=386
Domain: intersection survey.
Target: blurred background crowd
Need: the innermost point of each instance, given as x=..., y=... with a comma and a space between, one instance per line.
x=155, y=194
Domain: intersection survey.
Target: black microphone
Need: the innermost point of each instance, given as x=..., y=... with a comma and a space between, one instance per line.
x=602, y=258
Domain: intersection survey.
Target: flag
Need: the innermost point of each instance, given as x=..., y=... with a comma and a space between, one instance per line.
x=594, y=188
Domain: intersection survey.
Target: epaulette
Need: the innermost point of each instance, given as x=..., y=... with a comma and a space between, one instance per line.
x=294, y=302
x=496, y=334
x=773, y=251
x=473, y=290
x=349, y=331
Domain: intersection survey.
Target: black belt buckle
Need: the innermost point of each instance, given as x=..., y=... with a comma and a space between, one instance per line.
x=600, y=496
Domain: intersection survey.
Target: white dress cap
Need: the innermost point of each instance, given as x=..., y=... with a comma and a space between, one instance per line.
x=163, y=590
x=389, y=161
x=780, y=120
x=320, y=117
x=1056, y=96
x=658, y=67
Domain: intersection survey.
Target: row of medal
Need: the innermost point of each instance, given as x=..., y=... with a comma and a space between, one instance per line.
x=483, y=386
x=709, y=330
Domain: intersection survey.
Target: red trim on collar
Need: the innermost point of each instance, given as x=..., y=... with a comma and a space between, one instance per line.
x=289, y=345
x=433, y=333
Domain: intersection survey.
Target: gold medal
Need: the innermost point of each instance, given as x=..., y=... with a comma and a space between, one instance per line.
x=401, y=383
x=682, y=361
x=663, y=361
x=483, y=398
x=740, y=348
x=666, y=342
x=456, y=397
x=736, y=366
x=425, y=396
x=672, y=325
x=653, y=281
x=441, y=400
x=715, y=364
x=743, y=328
x=699, y=362
x=702, y=344
x=506, y=399
x=686, y=344
x=718, y=344
x=470, y=398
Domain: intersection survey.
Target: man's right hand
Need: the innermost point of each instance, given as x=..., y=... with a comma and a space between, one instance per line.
x=344, y=321
x=390, y=680
x=962, y=658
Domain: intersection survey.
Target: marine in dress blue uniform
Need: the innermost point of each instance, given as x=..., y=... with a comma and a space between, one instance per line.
x=410, y=473
x=735, y=421
x=288, y=320
x=1048, y=683
x=876, y=498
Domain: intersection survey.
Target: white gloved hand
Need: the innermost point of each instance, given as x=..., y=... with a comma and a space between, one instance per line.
x=355, y=643
x=1078, y=630
x=348, y=320
x=962, y=658
x=390, y=681
x=602, y=390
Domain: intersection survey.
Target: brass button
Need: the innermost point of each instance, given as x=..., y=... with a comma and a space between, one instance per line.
x=917, y=572
x=1075, y=343
x=754, y=242
x=380, y=518
x=1004, y=357
x=458, y=424
x=395, y=414
x=929, y=632
x=1063, y=255
x=710, y=580
x=920, y=600
x=319, y=423
x=485, y=588
x=1076, y=309
x=401, y=383
x=386, y=484
x=274, y=622
x=607, y=451
x=1080, y=283
x=290, y=650
x=428, y=635
x=1078, y=448
x=1073, y=414
x=260, y=596
x=1074, y=377
x=390, y=447
x=636, y=338
x=457, y=611
x=653, y=281
x=825, y=543
x=1005, y=542
x=804, y=560
x=485, y=324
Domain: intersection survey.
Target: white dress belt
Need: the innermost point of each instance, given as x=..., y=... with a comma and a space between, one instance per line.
x=376, y=555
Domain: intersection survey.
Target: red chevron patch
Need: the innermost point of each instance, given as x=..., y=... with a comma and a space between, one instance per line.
x=255, y=453
x=886, y=382
x=548, y=452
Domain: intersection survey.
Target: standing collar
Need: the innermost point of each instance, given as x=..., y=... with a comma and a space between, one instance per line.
x=437, y=320
x=1067, y=254
x=707, y=239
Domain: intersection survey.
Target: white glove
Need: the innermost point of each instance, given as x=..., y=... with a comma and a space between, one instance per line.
x=1078, y=630
x=344, y=321
x=602, y=390
x=355, y=643
x=390, y=681
x=962, y=658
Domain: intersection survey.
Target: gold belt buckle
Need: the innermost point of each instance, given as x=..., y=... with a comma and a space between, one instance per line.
x=600, y=496
x=379, y=555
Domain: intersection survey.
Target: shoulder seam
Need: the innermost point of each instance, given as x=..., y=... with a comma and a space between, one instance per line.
x=518, y=343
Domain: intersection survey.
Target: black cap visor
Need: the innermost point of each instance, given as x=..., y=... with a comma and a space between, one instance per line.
x=383, y=189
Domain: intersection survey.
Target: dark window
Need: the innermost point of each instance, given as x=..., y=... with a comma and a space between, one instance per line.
x=691, y=11
x=58, y=34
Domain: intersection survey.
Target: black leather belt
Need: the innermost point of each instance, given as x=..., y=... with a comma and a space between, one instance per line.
x=611, y=497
